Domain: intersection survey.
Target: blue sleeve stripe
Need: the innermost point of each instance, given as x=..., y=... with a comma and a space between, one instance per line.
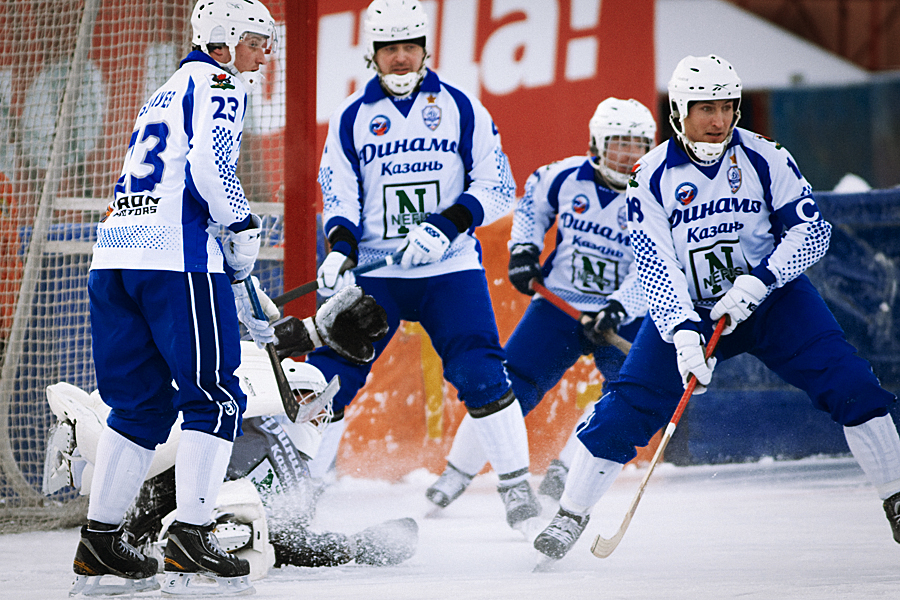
x=466, y=128
x=348, y=143
x=187, y=107
x=761, y=166
x=654, y=183
x=553, y=192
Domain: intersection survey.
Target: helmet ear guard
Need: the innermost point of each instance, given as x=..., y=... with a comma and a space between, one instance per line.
x=628, y=123
x=697, y=79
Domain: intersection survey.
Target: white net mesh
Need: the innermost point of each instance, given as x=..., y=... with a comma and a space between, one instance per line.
x=73, y=75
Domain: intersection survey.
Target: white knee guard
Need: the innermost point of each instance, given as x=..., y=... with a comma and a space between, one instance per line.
x=876, y=447
x=589, y=478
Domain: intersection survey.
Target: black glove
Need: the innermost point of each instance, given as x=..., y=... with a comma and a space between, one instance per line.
x=609, y=317
x=349, y=322
x=525, y=265
x=292, y=338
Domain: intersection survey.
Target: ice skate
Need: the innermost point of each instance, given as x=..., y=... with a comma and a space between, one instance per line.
x=561, y=534
x=449, y=486
x=554, y=481
x=196, y=565
x=892, y=510
x=107, y=564
x=521, y=504
x=389, y=543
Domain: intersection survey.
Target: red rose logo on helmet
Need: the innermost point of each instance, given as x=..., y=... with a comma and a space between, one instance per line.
x=685, y=193
x=380, y=125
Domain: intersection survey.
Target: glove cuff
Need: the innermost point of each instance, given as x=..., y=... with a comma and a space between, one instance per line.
x=443, y=224
x=310, y=325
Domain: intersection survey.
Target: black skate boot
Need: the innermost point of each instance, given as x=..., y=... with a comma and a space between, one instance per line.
x=449, y=486
x=102, y=553
x=554, y=481
x=561, y=534
x=193, y=550
x=892, y=510
x=521, y=503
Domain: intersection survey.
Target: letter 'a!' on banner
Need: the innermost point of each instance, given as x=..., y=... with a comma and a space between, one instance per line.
x=540, y=67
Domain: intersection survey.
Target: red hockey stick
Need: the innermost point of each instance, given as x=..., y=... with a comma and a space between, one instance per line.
x=611, y=336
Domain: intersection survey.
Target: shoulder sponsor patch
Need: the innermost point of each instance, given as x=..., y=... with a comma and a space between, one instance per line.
x=222, y=81
x=379, y=125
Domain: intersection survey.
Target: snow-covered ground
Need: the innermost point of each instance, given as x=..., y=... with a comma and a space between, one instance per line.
x=769, y=530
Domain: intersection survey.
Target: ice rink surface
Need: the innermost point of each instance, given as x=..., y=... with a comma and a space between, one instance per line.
x=770, y=530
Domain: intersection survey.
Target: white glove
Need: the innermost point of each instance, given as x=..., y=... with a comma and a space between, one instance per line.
x=260, y=329
x=740, y=301
x=241, y=249
x=424, y=244
x=690, y=353
x=331, y=276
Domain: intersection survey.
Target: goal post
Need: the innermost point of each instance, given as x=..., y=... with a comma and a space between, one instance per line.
x=73, y=76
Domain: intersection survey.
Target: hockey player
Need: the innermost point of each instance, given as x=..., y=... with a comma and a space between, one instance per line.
x=415, y=164
x=265, y=507
x=162, y=306
x=592, y=268
x=723, y=225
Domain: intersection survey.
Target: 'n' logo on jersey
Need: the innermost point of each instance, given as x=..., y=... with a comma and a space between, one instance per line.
x=380, y=125
x=407, y=205
x=222, y=81
x=431, y=114
x=580, y=204
x=734, y=175
x=685, y=193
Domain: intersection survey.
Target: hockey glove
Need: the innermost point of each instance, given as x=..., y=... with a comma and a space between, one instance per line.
x=260, y=329
x=691, y=359
x=745, y=295
x=608, y=319
x=349, y=323
x=424, y=244
x=334, y=274
x=525, y=265
x=241, y=249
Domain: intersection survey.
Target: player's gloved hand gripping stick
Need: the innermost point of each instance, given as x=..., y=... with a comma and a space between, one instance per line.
x=291, y=407
x=612, y=338
x=602, y=547
x=311, y=286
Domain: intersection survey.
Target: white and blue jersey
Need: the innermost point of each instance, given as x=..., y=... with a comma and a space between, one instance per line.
x=695, y=229
x=389, y=163
x=178, y=182
x=593, y=262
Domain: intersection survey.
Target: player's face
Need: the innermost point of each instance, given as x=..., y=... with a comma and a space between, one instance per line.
x=709, y=121
x=250, y=52
x=399, y=59
x=622, y=151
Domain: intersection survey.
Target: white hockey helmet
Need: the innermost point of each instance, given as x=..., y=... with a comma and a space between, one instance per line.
x=632, y=126
x=702, y=78
x=391, y=22
x=227, y=21
x=307, y=382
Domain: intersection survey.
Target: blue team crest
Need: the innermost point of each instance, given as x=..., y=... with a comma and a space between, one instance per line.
x=734, y=178
x=431, y=114
x=380, y=125
x=622, y=218
x=580, y=203
x=686, y=192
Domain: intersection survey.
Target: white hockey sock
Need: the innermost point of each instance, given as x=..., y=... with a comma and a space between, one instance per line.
x=118, y=476
x=324, y=459
x=200, y=467
x=567, y=455
x=876, y=447
x=505, y=442
x=589, y=478
x=466, y=453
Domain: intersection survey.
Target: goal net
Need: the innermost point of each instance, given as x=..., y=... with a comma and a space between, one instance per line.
x=73, y=76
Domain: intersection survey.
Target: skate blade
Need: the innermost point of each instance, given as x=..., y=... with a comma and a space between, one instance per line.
x=435, y=512
x=197, y=584
x=88, y=586
x=545, y=564
x=529, y=528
